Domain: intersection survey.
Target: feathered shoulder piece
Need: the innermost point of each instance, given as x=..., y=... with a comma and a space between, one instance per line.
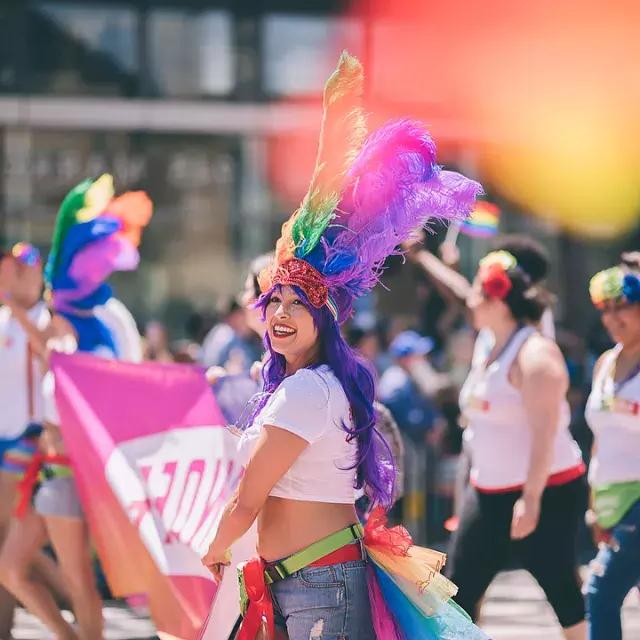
x=95, y=234
x=368, y=194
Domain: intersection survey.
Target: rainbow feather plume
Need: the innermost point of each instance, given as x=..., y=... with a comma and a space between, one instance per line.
x=94, y=235
x=367, y=195
x=393, y=187
x=341, y=136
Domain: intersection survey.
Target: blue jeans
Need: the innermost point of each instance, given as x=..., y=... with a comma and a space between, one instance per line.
x=325, y=603
x=614, y=573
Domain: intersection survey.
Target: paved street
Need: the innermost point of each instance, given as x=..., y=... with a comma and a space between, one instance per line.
x=515, y=610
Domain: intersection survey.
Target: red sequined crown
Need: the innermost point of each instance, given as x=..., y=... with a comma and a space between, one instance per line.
x=297, y=273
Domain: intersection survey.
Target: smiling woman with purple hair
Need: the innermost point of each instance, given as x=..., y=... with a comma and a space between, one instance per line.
x=312, y=445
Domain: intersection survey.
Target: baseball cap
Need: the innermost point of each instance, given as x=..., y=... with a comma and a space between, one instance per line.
x=409, y=343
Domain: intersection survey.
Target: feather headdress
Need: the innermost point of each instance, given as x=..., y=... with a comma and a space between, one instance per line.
x=95, y=234
x=367, y=196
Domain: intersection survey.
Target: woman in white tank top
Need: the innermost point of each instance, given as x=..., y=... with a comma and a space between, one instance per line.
x=526, y=470
x=613, y=413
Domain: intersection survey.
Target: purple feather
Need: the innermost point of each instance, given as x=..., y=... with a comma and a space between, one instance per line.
x=393, y=188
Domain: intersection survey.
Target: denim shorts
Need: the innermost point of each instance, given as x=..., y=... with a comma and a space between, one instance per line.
x=325, y=603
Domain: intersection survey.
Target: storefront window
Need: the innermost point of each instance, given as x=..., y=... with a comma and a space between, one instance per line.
x=189, y=251
x=299, y=52
x=76, y=49
x=190, y=53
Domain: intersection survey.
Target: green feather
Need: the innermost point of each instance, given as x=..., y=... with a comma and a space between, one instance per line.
x=341, y=136
x=73, y=202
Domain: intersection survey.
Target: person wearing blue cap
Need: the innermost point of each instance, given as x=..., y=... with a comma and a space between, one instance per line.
x=409, y=388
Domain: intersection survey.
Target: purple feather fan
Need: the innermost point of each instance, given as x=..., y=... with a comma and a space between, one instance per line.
x=393, y=187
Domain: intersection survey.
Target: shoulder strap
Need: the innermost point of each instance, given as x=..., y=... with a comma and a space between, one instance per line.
x=512, y=350
x=606, y=368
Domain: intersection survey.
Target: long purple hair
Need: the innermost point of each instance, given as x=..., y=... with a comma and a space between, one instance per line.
x=375, y=469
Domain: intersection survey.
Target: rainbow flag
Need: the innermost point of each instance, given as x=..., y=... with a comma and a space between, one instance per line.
x=154, y=468
x=483, y=221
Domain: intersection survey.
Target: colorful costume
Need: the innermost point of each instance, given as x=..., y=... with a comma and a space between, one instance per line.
x=367, y=195
x=20, y=391
x=95, y=234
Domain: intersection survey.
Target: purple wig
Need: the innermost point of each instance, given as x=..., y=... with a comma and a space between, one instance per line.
x=375, y=469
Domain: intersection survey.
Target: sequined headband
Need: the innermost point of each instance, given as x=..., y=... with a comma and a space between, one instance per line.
x=301, y=274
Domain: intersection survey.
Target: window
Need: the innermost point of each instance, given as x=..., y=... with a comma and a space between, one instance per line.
x=300, y=52
x=77, y=49
x=190, y=53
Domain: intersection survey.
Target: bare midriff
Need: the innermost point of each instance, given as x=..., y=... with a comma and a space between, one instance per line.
x=287, y=526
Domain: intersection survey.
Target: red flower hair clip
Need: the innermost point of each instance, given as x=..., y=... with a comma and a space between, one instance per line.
x=494, y=274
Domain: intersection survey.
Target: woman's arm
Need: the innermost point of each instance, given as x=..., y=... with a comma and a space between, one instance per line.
x=276, y=450
x=543, y=382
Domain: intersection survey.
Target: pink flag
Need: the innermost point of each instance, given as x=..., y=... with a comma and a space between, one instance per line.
x=154, y=468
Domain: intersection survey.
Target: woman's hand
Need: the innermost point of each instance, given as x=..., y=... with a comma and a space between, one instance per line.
x=216, y=561
x=526, y=513
x=216, y=373
x=598, y=534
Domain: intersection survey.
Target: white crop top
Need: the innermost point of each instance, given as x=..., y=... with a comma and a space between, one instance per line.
x=614, y=417
x=498, y=435
x=312, y=404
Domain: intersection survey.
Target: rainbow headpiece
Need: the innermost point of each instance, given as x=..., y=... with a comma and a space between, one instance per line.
x=26, y=253
x=95, y=234
x=367, y=195
x=614, y=284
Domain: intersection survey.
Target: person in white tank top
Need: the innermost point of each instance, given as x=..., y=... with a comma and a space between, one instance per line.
x=613, y=414
x=21, y=403
x=526, y=469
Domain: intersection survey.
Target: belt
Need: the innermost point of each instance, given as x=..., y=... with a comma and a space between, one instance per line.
x=329, y=550
x=254, y=576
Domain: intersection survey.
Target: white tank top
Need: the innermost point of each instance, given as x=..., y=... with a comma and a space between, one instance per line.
x=614, y=418
x=497, y=434
x=20, y=375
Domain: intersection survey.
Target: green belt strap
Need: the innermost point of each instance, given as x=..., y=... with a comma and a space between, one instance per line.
x=289, y=566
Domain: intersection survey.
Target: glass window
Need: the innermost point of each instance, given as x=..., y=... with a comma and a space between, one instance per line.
x=189, y=251
x=83, y=49
x=190, y=53
x=299, y=52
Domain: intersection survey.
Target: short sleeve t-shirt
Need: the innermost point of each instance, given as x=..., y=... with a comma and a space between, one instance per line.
x=311, y=404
